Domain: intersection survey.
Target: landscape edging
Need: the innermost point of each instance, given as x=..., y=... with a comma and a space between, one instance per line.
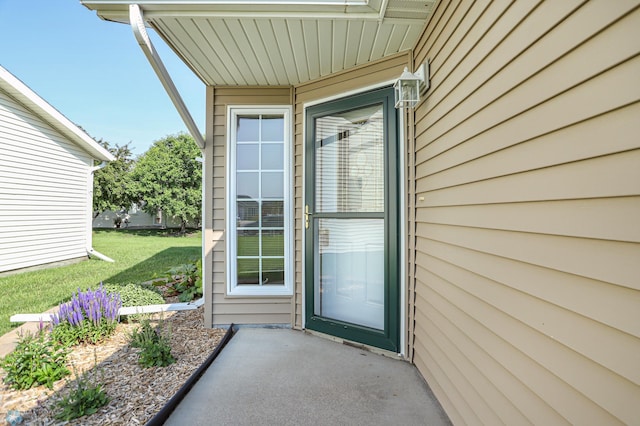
x=165, y=412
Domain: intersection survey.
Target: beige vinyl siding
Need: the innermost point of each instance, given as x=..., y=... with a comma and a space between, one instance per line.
x=234, y=309
x=44, y=211
x=527, y=252
x=357, y=79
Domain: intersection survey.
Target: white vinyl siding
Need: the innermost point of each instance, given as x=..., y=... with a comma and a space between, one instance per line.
x=527, y=249
x=44, y=207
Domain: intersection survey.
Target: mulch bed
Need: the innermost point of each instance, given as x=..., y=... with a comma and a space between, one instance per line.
x=136, y=393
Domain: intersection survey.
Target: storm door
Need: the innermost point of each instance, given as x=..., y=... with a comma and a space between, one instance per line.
x=351, y=219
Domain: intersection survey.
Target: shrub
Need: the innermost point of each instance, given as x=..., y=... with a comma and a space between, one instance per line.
x=156, y=350
x=186, y=280
x=135, y=294
x=89, y=317
x=84, y=399
x=36, y=360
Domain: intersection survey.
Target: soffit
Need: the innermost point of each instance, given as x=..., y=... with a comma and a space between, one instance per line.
x=263, y=43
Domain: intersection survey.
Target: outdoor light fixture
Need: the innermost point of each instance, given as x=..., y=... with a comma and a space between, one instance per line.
x=409, y=86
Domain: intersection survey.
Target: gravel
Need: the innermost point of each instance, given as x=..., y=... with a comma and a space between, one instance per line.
x=136, y=394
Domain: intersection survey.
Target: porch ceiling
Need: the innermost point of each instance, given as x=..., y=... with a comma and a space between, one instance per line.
x=267, y=43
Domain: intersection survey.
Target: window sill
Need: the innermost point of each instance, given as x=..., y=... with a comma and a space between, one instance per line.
x=258, y=292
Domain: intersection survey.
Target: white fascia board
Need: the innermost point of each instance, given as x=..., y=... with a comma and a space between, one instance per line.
x=30, y=99
x=117, y=11
x=207, y=5
x=138, y=26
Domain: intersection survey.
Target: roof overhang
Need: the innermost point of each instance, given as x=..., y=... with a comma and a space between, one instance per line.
x=276, y=43
x=29, y=99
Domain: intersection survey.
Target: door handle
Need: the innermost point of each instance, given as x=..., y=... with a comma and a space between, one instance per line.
x=306, y=216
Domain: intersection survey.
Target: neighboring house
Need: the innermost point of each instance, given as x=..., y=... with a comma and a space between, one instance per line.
x=490, y=235
x=136, y=218
x=46, y=180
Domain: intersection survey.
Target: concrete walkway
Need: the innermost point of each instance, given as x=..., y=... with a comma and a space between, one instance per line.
x=285, y=377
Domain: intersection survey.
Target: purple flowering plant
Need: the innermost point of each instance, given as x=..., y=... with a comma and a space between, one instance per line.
x=89, y=317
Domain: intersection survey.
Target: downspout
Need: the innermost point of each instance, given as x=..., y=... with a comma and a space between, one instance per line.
x=202, y=225
x=90, y=251
x=99, y=166
x=383, y=10
x=136, y=20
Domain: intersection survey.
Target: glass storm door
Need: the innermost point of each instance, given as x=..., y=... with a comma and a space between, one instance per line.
x=351, y=219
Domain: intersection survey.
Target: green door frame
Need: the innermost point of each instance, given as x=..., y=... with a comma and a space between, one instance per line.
x=389, y=338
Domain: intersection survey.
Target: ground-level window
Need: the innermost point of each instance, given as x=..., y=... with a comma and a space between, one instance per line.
x=259, y=216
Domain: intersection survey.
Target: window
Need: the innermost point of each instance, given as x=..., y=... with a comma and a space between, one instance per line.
x=258, y=189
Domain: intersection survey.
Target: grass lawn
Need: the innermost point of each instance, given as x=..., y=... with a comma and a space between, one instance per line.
x=139, y=255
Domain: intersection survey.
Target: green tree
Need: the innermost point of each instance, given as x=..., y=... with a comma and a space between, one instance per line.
x=169, y=178
x=112, y=184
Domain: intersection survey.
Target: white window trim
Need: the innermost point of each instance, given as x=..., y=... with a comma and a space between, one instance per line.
x=257, y=290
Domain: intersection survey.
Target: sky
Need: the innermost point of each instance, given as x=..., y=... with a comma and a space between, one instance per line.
x=94, y=72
